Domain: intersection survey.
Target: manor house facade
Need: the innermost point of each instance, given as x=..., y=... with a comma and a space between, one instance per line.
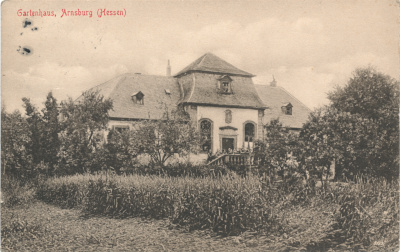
x=222, y=100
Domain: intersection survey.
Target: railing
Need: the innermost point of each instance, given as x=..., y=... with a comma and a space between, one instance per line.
x=233, y=159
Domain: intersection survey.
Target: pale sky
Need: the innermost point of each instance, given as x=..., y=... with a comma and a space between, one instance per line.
x=309, y=46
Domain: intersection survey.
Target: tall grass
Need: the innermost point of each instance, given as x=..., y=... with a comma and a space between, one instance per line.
x=364, y=213
x=227, y=205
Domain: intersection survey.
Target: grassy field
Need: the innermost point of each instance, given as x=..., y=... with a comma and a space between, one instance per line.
x=152, y=213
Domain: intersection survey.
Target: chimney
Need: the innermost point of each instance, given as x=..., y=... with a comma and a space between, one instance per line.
x=168, y=69
x=273, y=82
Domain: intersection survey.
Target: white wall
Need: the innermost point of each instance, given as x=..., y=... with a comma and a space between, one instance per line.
x=217, y=115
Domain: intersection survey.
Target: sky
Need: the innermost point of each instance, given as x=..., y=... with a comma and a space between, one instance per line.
x=309, y=46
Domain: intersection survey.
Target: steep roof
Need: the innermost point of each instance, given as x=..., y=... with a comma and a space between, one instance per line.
x=276, y=97
x=201, y=88
x=212, y=64
x=154, y=89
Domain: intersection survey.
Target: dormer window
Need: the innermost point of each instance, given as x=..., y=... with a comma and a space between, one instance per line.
x=225, y=84
x=287, y=109
x=138, y=98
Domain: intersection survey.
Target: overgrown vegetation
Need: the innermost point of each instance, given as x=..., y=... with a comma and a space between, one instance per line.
x=361, y=215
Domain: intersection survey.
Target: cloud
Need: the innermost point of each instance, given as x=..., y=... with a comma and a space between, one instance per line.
x=307, y=52
x=64, y=81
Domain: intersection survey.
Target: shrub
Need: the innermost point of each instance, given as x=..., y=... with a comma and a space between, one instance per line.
x=16, y=192
x=67, y=192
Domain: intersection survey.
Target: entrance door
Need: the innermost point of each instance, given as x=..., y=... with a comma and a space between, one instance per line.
x=227, y=143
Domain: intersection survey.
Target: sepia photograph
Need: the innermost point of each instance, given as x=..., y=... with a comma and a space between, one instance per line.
x=199, y=125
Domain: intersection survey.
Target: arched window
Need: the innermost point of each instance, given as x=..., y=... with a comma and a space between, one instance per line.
x=206, y=134
x=249, y=134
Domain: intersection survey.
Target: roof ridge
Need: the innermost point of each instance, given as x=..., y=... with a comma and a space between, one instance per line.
x=202, y=58
x=211, y=63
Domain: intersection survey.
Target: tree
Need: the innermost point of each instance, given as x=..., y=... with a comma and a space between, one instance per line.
x=161, y=139
x=83, y=124
x=15, y=138
x=359, y=130
x=51, y=129
x=36, y=129
x=277, y=152
x=120, y=151
x=43, y=128
x=340, y=138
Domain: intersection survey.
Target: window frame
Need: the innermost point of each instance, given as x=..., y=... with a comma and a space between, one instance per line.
x=254, y=137
x=138, y=98
x=287, y=110
x=211, y=134
x=225, y=89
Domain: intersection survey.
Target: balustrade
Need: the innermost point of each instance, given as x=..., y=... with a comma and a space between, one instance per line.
x=233, y=159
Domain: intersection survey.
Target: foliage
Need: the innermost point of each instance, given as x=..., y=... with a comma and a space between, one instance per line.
x=367, y=210
x=162, y=139
x=359, y=131
x=51, y=129
x=374, y=96
x=181, y=170
x=120, y=151
x=353, y=215
x=17, y=191
x=227, y=205
x=277, y=153
x=43, y=130
x=331, y=136
x=15, y=157
x=81, y=136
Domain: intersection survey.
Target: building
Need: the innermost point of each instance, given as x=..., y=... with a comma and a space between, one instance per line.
x=222, y=100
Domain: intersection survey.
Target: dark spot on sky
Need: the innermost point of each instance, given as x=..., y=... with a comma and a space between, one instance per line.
x=94, y=47
x=26, y=23
x=24, y=50
x=34, y=29
x=21, y=33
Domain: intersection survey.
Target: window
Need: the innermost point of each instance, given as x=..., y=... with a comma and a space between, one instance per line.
x=249, y=132
x=225, y=84
x=287, y=109
x=138, y=98
x=226, y=87
x=206, y=135
x=249, y=135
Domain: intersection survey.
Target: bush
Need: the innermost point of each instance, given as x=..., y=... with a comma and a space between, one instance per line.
x=16, y=192
x=67, y=192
